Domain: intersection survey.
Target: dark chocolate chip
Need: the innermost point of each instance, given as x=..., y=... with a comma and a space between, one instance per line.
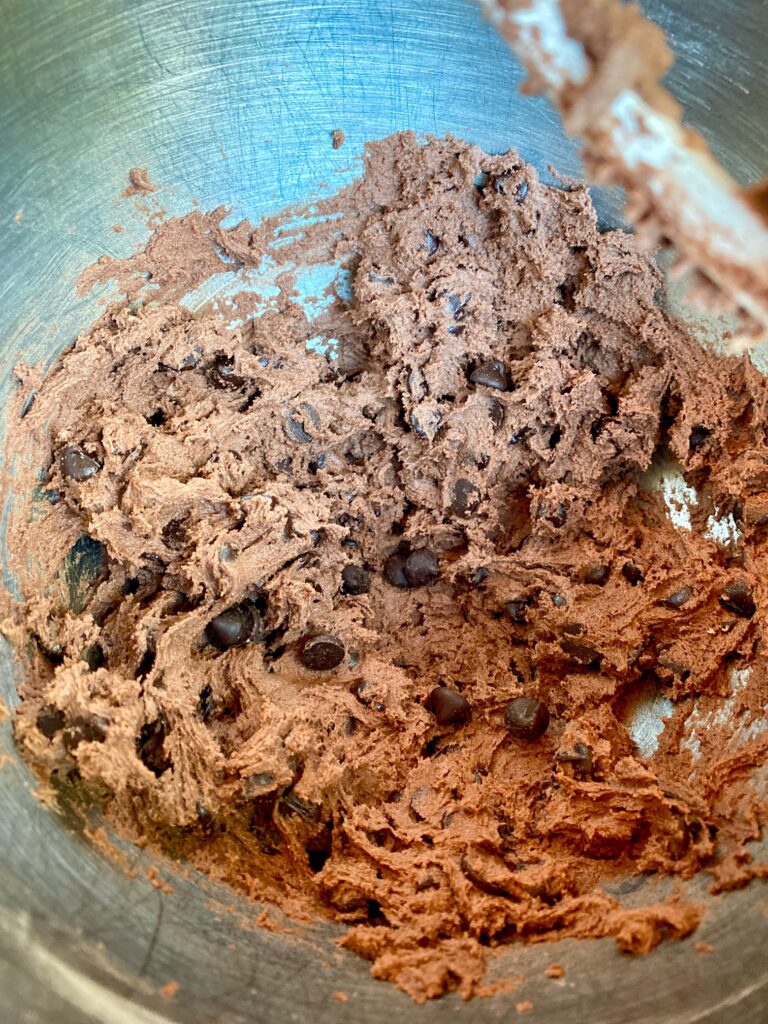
x=293, y=426
x=496, y=413
x=597, y=575
x=174, y=533
x=503, y=186
x=77, y=464
x=558, y=517
x=232, y=628
x=421, y=568
x=50, y=720
x=466, y=497
x=480, y=576
x=448, y=706
x=27, y=404
x=678, y=598
x=355, y=580
x=93, y=656
x=698, y=438
x=526, y=718
x=191, y=359
x=737, y=597
x=221, y=374
x=574, y=629
x=457, y=307
x=205, y=702
x=394, y=571
x=558, y=600
x=157, y=418
x=426, y=420
x=490, y=374
x=518, y=611
x=632, y=574
x=580, y=757
x=147, y=581
x=500, y=183
x=150, y=747
x=582, y=654
x=431, y=243
x=322, y=653
x=82, y=729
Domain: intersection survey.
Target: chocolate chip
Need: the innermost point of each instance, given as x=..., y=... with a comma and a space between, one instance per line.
x=582, y=654
x=233, y=627
x=355, y=580
x=496, y=413
x=93, y=656
x=526, y=718
x=632, y=574
x=157, y=418
x=504, y=187
x=698, y=438
x=221, y=374
x=50, y=720
x=77, y=464
x=518, y=611
x=421, y=568
x=150, y=747
x=597, y=575
x=580, y=757
x=27, y=404
x=147, y=581
x=678, y=598
x=191, y=359
x=448, y=706
x=490, y=374
x=737, y=597
x=205, y=702
x=394, y=572
x=466, y=497
x=457, y=307
x=559, y=516
x=293, y=426
x=500, y=183
x=322, y=653
x=574, y=629
x=426, y=420
x=82, y=729
x=431, y=243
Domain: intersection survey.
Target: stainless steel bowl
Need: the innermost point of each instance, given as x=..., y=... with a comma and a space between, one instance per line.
x=233, y=102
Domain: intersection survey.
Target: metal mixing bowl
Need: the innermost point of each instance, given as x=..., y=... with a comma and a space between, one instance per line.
x=233, y=102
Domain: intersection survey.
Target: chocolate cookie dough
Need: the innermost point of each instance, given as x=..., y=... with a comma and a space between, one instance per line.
x=353, y=612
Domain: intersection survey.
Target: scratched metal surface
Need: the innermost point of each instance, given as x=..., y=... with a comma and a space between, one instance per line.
x=233, y=101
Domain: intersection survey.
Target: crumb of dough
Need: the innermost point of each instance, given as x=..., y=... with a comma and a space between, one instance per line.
x=138, y=183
